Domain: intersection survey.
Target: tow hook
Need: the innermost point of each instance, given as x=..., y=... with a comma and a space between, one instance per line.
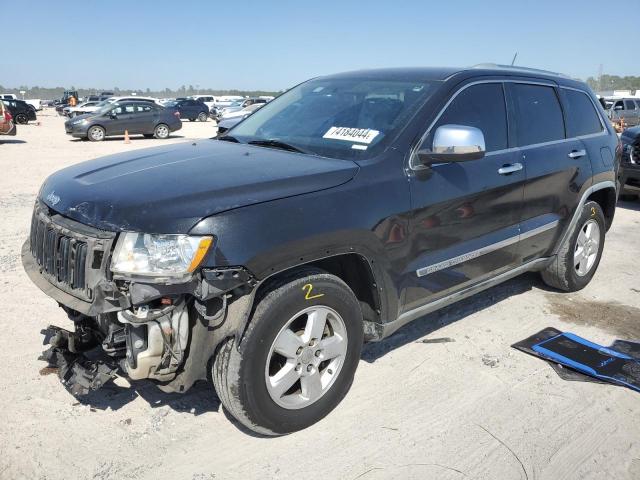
x=79, y=374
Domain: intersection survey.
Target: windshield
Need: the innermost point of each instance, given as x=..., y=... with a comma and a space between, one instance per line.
x=337, y=118
x=171, y=103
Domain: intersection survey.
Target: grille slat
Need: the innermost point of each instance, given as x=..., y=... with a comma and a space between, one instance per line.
x=79, y=265
x=61, y=256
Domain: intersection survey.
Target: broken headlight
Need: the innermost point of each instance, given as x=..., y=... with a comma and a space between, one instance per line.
x=173, y=257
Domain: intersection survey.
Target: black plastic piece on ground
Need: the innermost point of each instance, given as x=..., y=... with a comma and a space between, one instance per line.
x=575, y=358
x=563, y=372
x=78, y=374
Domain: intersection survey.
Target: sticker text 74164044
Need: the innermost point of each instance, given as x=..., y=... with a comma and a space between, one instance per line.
x=354, y=135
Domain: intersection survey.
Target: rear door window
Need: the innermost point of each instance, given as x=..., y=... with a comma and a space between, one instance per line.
x=582, y=118
x=538, y=115
x=481, y=106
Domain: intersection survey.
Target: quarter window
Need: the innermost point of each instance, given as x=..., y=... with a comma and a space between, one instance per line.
x=481, y=106
x=582, y=118
x=538, y=114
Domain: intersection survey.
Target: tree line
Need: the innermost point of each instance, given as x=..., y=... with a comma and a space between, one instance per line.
x=47, y=93
x=614, y=82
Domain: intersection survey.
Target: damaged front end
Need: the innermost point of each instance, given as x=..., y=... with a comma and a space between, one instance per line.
x=166, y=333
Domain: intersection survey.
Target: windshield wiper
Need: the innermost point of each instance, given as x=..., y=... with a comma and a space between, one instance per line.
x=229, y=138
x=276, y=144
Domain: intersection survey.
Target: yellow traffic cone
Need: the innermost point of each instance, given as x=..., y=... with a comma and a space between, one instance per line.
x=126, y=137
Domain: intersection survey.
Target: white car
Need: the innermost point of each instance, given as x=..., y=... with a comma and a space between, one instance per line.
x=85, y=107
x=245, y=112
x=92, y=108
x=208, y=100
x=227, y=100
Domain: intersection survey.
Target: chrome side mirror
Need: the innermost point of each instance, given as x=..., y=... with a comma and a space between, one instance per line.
x=454, y=143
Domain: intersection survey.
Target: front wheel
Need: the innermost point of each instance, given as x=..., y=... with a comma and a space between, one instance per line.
x=298, y=357
x=161, y=131
x=579, y=256
x=96, y=134
x=202, y=117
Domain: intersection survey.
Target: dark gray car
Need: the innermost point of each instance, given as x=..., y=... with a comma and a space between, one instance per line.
x=135, y=118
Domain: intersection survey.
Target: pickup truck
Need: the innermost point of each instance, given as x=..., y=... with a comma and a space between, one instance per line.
x=36, y=104
x=340, y=211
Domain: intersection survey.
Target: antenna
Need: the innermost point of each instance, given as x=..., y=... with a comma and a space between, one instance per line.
x=514, y=59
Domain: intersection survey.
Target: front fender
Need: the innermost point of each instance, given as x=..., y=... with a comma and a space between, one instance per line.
x=275, y=236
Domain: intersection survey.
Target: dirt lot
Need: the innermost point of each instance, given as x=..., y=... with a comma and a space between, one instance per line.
x=471, y=407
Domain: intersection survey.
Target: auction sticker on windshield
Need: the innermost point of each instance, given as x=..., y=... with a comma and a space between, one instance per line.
x=357, y=135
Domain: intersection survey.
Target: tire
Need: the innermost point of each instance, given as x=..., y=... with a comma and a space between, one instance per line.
x=202, y=117
x=243, y=378
x=577, y=261
x=22, y=119
x=161, y=131
x=96, y=133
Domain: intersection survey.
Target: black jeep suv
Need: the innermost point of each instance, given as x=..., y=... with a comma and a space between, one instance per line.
x=340, y=211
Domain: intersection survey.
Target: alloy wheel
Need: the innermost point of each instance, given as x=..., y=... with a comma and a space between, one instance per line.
x=587, y=247
x=96, y=133
x=162, y=131
x=306, y=357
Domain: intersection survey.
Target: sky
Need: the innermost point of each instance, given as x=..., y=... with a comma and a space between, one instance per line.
x=273, y=45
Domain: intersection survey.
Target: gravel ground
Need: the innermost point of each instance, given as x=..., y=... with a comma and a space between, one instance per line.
x=466, y=407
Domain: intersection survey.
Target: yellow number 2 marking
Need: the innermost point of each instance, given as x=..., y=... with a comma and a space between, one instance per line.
x=593, y=211
x=308, y=287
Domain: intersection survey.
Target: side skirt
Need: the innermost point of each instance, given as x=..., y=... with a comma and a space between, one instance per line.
x=386, y=329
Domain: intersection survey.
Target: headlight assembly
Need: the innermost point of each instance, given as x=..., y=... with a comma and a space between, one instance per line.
x=173, y=257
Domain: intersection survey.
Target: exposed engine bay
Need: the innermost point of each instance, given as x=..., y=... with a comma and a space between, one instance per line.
x=142, y=342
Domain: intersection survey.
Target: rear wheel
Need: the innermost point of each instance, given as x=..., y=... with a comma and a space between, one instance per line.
x=297, y=358
x=579, y=256
x=202, y=117
x=96, y=133
x=22, y=119
x=161, y=131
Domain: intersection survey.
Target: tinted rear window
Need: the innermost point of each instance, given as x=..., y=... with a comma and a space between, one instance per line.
x=582, y=118
x=480, y=106
x=538, y=114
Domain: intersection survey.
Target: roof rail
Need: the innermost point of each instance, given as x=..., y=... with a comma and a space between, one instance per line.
x=511, y=68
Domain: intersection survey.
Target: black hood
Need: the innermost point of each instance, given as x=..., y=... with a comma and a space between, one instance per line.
x=168, y=189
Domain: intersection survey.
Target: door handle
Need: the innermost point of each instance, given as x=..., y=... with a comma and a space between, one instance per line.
x=577, y=153
x=508, y=169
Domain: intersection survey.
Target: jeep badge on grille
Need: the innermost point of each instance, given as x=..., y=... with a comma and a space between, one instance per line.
x=52, y=198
